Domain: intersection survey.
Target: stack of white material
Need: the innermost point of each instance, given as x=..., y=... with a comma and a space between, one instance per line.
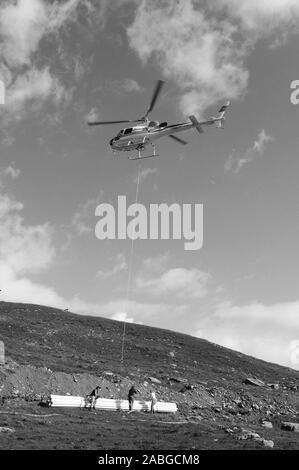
x=67, y=400
x=111, y=404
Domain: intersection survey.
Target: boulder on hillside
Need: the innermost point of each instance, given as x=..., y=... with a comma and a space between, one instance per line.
x=274, y=386
x=178, y=380
x=290, y=426
x=267, y=424
x=247, y=434
x=154, y=380
x=268, y=443
x=254, y=381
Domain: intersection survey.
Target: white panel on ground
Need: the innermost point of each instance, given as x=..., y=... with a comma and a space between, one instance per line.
x=111, y=404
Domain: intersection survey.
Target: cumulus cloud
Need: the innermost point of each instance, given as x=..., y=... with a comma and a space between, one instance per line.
x=119, y=265
x=151, y=313
x=129, y=85
x=122, y=87
x=123, y=317
x=181, y=282
x=23, y=25
x=28, y=250
x=264, y=331
x=34, y=86
x=199, y=53
x=93, y=115
x=203, y=46
x=156, y=264
x=262, y=17
x=235, y=163
x=22, y=248
x=145, y=172
x=12, y=171
x=82, y=219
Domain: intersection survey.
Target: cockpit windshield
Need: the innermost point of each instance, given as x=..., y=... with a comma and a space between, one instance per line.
x=127, y=131
x=131, y=130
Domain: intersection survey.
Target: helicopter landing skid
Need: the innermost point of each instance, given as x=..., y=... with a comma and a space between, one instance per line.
x=141, y=158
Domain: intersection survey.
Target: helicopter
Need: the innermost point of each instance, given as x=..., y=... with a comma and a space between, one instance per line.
x=146, y=132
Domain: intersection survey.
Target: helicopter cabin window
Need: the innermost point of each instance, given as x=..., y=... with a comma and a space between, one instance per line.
x=128, y=131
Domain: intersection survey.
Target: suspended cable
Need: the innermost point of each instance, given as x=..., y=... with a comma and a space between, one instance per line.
x=130, y=271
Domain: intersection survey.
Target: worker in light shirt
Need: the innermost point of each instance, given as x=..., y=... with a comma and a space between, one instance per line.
x=153, y=401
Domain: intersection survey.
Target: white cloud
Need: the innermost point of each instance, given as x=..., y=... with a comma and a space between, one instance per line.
x=236, y=163
x=266, y=15
x=260, y=143
x=23, y=25
x=22, y=248
x=123, y=317
x=129, y=85
x=200, y=53
x=119, y=265
x=122, y=86
x=156, y=264
x=203, y=46
x=12, y=171
x=27, y=250
x=100, y=10
x=93, y=115
x=263, y=331
x=35, y=86
x=142, y=312
x=180, y=282
x=229, y=162
x=145, y=172
x=82, y=219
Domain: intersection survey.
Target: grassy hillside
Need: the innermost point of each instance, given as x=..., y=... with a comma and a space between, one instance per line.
x=67, y=342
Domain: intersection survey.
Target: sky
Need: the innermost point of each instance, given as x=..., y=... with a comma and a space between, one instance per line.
x=65, y=62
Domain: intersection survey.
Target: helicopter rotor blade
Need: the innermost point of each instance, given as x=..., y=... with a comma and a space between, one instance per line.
x=100, y=123
x=181, y=141
x=156, y=93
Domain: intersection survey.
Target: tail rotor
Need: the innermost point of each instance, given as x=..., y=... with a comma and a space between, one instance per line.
x=221, y=117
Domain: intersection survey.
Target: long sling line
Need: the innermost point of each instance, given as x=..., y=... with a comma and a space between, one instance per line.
x=130, y=272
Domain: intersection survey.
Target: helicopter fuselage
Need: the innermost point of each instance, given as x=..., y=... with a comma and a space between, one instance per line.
x=138, y=137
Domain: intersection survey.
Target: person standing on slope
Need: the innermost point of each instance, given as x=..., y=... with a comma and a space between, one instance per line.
x=153, y=401
x=92, y=397
x=131, y=394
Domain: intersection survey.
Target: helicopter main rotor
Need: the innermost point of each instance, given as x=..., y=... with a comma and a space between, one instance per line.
x=156, y=93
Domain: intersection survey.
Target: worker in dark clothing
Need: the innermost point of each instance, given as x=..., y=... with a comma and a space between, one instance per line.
x=131, y=394
x=92, y=397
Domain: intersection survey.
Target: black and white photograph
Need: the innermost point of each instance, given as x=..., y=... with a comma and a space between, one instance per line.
x=149, y=227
